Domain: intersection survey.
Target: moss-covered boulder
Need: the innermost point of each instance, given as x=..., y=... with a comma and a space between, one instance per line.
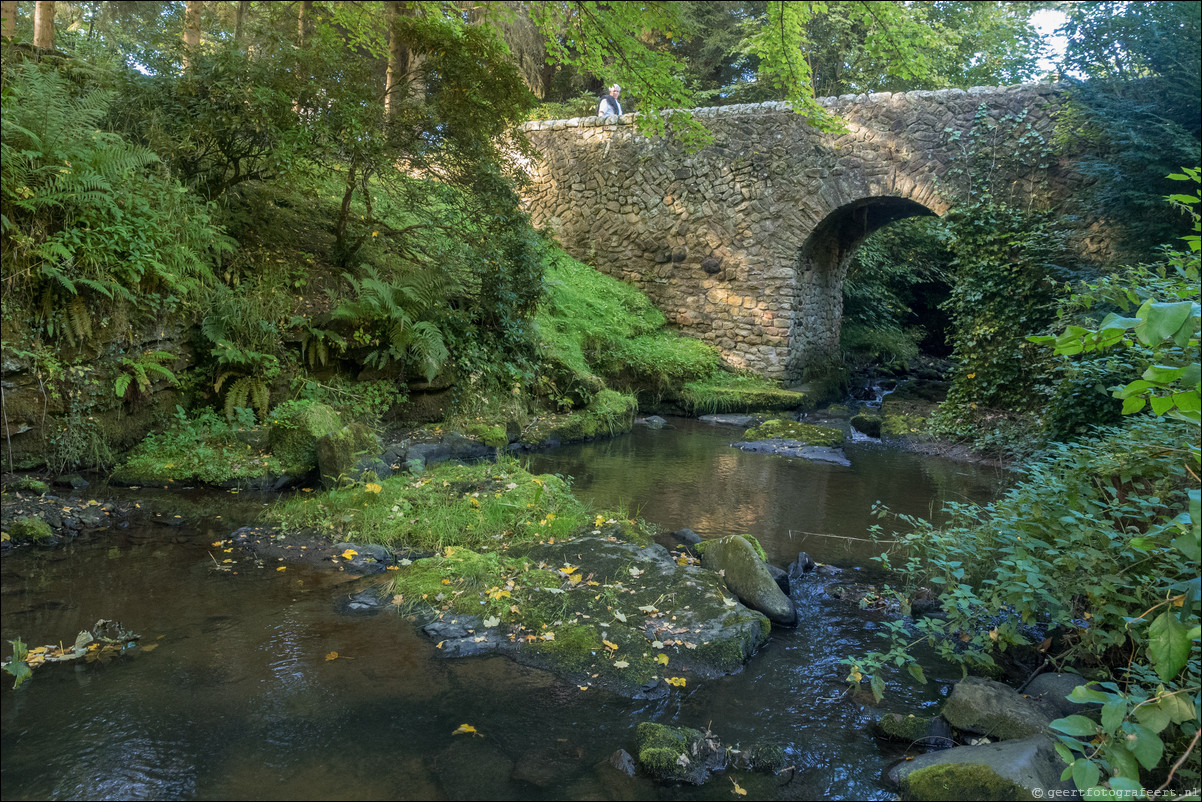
x=30, y=530
x=748, y=577
x=347, y=453
x=727, y=392
x=294, y=431
x=914, y=730
x=804, y=433
x=867, y=424
x=678, y=754
x=990, y=708
x=31, y=485
x=1023, y=769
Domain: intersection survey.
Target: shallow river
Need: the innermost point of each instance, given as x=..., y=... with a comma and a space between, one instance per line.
x=238, y=701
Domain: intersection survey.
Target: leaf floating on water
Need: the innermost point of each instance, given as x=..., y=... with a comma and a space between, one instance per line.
x=738, y=789
x=331, y=656
x=150, y=647
x=282, y=568
x=467, y=729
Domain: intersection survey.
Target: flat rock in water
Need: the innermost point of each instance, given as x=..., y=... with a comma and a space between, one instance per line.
x=732, y=420
x=651, y=422
x=796, y=448
x=1027, y=768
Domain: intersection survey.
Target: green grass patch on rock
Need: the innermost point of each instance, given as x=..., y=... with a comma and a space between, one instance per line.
x=730, y=392
x=483, y=507
x=206, y=448
x=806, y=433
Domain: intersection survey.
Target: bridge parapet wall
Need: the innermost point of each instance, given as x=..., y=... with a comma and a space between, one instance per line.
x=717, y=238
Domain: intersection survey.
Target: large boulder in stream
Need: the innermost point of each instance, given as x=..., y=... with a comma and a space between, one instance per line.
x=1028, y=768
x=748, y=577
x=989, y=708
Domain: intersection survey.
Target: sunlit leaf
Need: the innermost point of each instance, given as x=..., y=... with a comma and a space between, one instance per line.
x=349, y=554
x=372, y=487
x=738, y=789
x=466, y=729
x=661, y=659
x=331, y=656
x=613, y=647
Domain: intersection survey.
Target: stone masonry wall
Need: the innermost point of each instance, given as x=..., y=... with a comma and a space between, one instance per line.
x=745, y=243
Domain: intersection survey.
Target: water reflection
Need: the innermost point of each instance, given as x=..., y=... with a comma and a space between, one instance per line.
x=238, y=701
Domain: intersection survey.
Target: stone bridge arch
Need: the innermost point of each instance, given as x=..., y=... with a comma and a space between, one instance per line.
x=745, y=243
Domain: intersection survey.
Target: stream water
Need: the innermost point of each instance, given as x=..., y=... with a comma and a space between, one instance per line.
x=238, y=701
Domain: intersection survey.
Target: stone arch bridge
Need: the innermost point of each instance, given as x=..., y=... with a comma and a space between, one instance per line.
x=745, y=243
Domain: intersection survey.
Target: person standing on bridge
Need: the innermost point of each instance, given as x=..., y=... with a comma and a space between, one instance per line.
x=609, y=103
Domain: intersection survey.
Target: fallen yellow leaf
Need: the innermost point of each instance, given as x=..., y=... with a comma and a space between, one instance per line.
x=282, y=568
x=613, y=647
x=349, y=554
x=662, y=659
x=331, y=656
x=466, y=729
x=738, y=789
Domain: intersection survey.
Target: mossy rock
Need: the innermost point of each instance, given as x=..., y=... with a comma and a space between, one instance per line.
x=908, y=728
x=958, y=781
x=991, y=708
x=806, y=433
x=707, y=397
x=1024, y=769
x=494, y=435
x=294, y=430
x=660, y=748
x=747, y=576
x=30, y=530
x=340, y=453
x=31, y=486
x=867, y=424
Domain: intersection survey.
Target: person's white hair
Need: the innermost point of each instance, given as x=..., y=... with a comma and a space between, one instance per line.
x=615, y=88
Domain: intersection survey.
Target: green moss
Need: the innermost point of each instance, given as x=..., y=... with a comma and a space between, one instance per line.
x=767, y=757
x=485, y=507
x=791, y=430
x=30, y=529
x=727, y=392
x=904, y=728
x=957, y=781
x=657, y=363
x=574, y=648
x=293, y=431
x=660, y=748
x=867, y=424
x=31, y=485
x=338, y=452
x=609, y=413
x=493, y=435
x=206, y=449
x=839, y=410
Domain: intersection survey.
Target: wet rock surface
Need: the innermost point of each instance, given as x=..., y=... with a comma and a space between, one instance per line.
x=795, y=448
x=35, y=516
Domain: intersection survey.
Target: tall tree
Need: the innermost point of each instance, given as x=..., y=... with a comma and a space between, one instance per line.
x=43, y=24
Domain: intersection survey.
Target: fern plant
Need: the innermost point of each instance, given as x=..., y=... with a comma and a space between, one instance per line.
x=138, y=374
x=392, y=317
x=86, y=214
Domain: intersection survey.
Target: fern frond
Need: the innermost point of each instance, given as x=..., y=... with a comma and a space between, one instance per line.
x=80, y=319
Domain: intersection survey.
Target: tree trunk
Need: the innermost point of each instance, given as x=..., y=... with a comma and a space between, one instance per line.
x=396, y=55
x=43, y=24
x=8, y=9
x=192, y=11
x=239, y=18
x=303, y=18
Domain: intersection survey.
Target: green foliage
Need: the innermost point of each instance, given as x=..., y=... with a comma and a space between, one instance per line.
x=136, y=376
x=205, y=448
x=391, y=318
x=295, y=427
x=1008, y=264
x=479, y=507
x=1137, y=117
x=792, y=430
x=87, y=216
x=363, y=401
